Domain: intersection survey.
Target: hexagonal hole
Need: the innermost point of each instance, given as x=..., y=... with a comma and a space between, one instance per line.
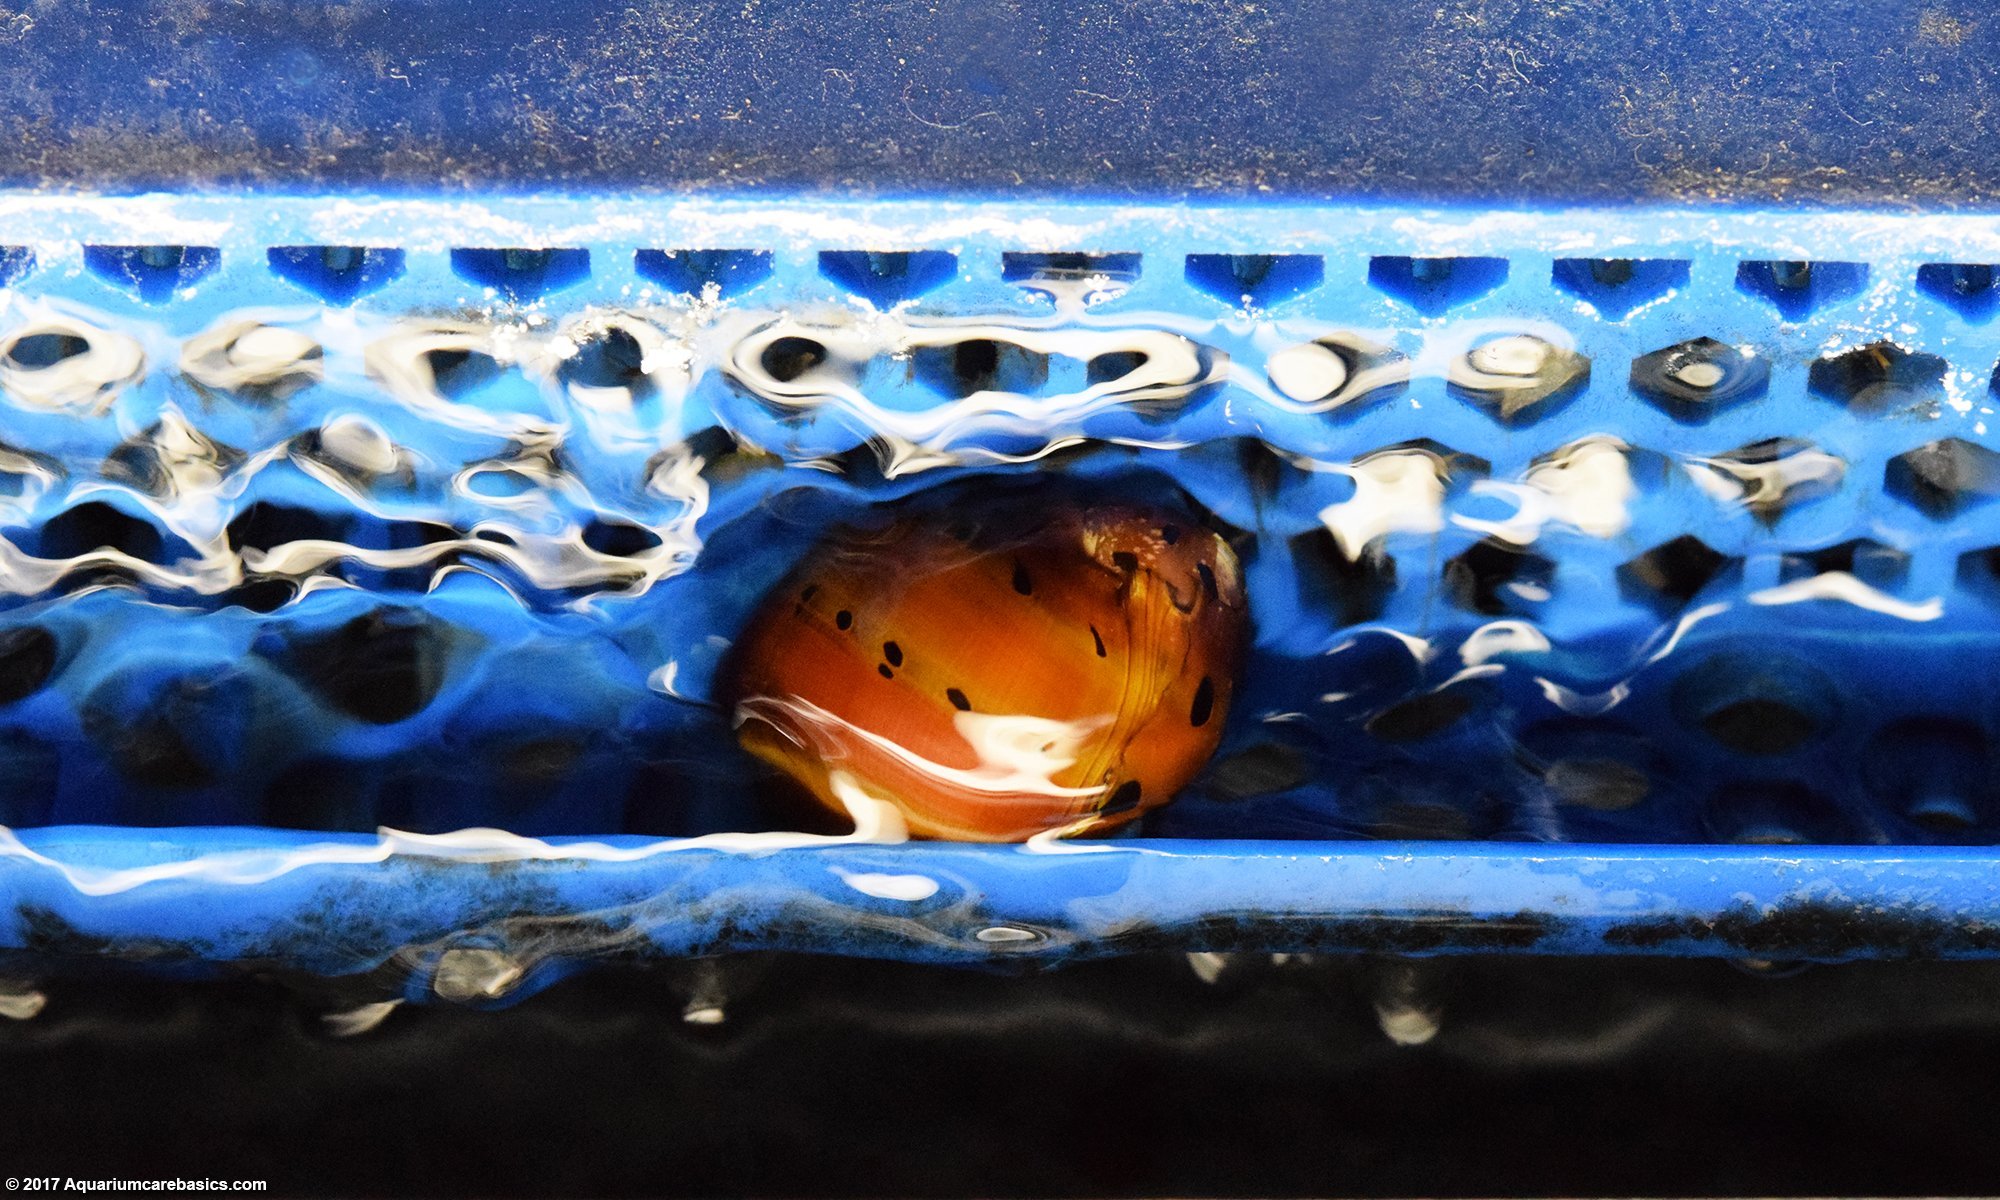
x=522, y=273
x=97, y=525
x=1498, y=578
x=1797, y=289
x=1879, y=377
x=1978, y=572
x=1618, y=287
x=984, y=365
x=885, y=278
x=788, y=359
x=1260, y=769
x=1968, y=289
x=152, y=273
x=1593, y=767
x=1875, y=564
x=1355, y=590
x=266, y=524
x=1691, y=381
x=1518, y=379
x=1429, y=714
x=1944, y=478
x=620, y=539
x=1113, y=365
x=458, y=374
x=612, y=358
x=336, y=274
x=1668, y=577
x=1255, y=280
x=1434, y=285
x=692, y=272
x=1456, y=466
x=1934, y=771
x=40, y=351
x=1768, y=812
x=1064, y=272
x=1755, y=701
x=1770, y=477
x=15, y=261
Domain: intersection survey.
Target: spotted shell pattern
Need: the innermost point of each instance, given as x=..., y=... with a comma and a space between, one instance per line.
x=1073, y=667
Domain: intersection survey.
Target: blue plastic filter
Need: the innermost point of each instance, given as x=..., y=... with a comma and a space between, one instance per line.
x=1621, y=581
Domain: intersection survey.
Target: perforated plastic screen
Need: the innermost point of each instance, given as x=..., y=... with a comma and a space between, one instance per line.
x=1557, y=530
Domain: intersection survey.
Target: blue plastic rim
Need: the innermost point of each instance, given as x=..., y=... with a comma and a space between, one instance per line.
x=1855, y=357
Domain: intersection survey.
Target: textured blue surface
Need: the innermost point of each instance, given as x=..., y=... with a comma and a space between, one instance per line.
x=1512, y=103
x=1341, y=653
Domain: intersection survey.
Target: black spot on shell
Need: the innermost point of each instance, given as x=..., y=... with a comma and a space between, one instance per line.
x=811, y=590
x=884, y=669
x=1204, y=703
x=893, y=653
x=27, y=659
x=1207, y=582
x=1022, y=582
x=958, y=700
x=1125, y=560
x=843, y=619
x=1125, y=799
x=1170, y=534
x=1099, y=639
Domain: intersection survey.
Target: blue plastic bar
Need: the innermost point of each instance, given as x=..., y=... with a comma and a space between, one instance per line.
x=263, y=897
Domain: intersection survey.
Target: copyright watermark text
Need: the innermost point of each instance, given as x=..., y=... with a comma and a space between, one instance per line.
x=65, y=1183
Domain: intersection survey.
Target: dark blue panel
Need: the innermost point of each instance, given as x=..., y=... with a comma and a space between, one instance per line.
x=1795, y=102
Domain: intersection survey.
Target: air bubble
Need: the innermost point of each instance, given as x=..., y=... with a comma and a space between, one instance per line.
x=1338, y=372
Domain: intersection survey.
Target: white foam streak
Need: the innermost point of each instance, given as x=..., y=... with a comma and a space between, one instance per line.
x=876, y=822
x=911, y=889
x=1400, y=492
x=1843, y=588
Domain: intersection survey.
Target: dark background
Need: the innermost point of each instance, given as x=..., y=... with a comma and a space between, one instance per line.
x=838, y=1078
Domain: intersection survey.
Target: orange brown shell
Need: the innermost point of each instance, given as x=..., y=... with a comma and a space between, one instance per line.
x=993, y=688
